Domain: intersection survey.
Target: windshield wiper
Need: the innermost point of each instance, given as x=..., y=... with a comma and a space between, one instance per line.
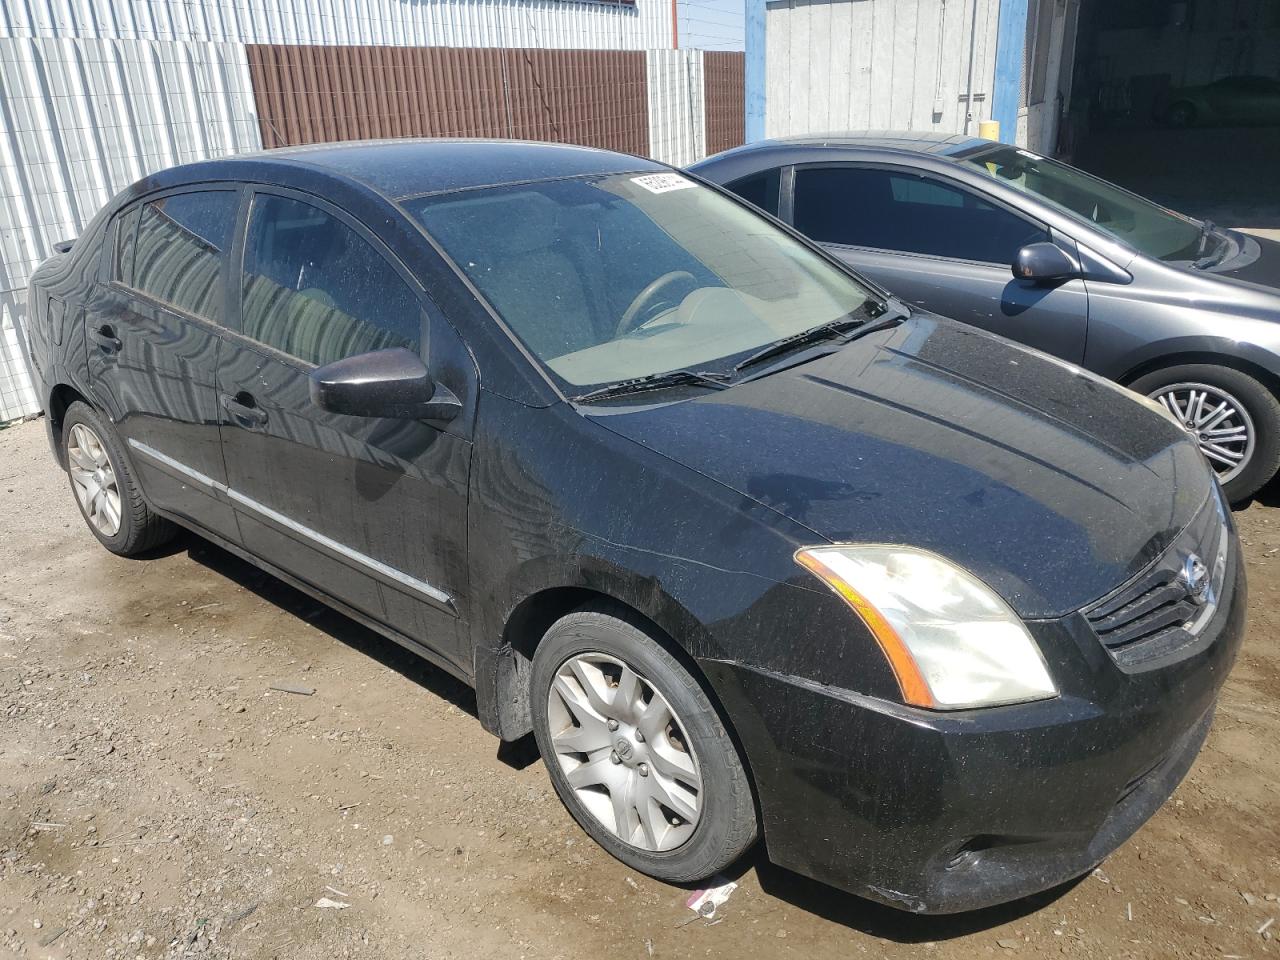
x=1207, y=229
x=843, y=330
x=657, y=381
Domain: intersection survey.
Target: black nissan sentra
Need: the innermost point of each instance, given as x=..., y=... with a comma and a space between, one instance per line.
x=755, y=551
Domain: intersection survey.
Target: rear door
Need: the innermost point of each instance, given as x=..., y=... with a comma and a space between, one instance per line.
x=939, y=245
x=155, y=325
x=371, y=511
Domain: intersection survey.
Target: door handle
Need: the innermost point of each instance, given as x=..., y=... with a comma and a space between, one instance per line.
x=244, y=409
x=105, y=337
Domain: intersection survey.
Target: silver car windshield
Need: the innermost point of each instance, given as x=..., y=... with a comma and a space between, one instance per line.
x=610, y=278
x=1145, y=226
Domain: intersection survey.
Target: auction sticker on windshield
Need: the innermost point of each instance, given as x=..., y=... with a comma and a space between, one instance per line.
x=662, y=182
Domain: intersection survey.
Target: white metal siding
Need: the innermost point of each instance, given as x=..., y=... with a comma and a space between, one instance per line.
x=451, y=23
x=677, y=106
x=877, y=64
x=95, y=95
x=82, y=119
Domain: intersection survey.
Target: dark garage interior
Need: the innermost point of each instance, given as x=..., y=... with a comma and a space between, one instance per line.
x=1181, y=101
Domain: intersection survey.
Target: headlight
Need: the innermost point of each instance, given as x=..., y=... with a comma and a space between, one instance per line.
x=952, y=643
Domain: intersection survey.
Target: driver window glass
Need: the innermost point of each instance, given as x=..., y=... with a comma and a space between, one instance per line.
x=315, y=289
x=907, y=213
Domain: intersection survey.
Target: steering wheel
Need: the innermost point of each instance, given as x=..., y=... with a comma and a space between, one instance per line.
x=631, y=319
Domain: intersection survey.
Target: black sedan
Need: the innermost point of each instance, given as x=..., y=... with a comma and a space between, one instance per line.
x=1180, y=310
x=753, y=550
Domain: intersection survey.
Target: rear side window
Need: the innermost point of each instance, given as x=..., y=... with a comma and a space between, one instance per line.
x=760, y=189
x=179, y=250
x=901, y=211
x=126, y=234
x=315, y=289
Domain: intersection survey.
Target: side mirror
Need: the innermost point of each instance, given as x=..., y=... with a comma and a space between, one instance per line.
x=384, y=383
x=1044, y=262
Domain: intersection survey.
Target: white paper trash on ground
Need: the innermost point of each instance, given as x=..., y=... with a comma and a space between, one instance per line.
x=706, y=902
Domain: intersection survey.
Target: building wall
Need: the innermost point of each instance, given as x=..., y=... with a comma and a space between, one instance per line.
x=563, y=24
x=311, y=94
x=877, y=64
x=95, y=95
x=1051, y=41
x=80, y=119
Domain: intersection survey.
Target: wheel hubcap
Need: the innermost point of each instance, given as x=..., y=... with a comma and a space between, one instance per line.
x=1217, y=421
x=94, y=480
x=624, y=752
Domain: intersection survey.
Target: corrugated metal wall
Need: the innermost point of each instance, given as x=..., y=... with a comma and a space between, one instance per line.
x=638, y=25
x=82, y=119
x=877, y=64
x=677, y=123
x=308, y=94
x=95, y=95
x=726, y=108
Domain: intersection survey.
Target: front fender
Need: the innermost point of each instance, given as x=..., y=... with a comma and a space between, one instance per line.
x=1127, y=367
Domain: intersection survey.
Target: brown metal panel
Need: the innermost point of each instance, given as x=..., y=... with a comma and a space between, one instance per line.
x=308, y=94
x=724, y=85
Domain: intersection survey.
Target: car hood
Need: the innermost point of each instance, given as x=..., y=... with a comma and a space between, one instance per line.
x=1257, y=262
x=1050, y=484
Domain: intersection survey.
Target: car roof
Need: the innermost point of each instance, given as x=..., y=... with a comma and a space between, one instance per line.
x=882, y=141
x=403, y=168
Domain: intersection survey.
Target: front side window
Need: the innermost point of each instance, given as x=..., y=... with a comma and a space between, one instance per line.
x=316, y=290
x=179, y=249
x=901, y=211
x=1138, y=223
x=607, y=278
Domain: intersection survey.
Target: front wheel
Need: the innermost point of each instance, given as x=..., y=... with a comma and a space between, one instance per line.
x=1234, y=418
x=636, y=751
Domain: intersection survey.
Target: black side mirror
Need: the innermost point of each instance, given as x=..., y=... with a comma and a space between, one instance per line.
x=385, y=383
x=1044, y=262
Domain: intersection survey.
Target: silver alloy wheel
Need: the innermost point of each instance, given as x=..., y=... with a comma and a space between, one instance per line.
x=624, y=751
x=1218, y=421
x=94, y=480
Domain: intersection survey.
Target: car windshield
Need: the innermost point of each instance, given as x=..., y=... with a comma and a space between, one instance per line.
x=1138, y=223
x=612, y=278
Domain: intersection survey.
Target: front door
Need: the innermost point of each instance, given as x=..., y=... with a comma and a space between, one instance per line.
x=371, y=511
x=942, y=247
x=155, y=326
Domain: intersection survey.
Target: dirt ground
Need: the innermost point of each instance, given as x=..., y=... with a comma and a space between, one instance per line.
x=159, y=799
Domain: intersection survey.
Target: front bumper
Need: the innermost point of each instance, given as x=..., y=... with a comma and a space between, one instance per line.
x=944, y=812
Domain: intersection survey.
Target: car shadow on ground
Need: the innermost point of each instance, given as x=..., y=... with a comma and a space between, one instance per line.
x=517, y=754
x=887, y=923
x=1268, y=496
x=337, y=625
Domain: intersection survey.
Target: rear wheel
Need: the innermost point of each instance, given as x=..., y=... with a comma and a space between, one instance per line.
x=104, y=487
x=636, y=751
x=1234, y=418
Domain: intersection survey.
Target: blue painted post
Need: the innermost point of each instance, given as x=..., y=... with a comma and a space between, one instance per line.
x=1011, y=42
x=755, y=66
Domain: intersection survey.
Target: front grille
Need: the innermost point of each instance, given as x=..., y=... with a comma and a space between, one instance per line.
x=1155, y=614
x=1154, y=607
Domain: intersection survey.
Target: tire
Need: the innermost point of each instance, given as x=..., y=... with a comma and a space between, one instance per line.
x=89, y=440
x=1260, y=417
x=603, y=642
